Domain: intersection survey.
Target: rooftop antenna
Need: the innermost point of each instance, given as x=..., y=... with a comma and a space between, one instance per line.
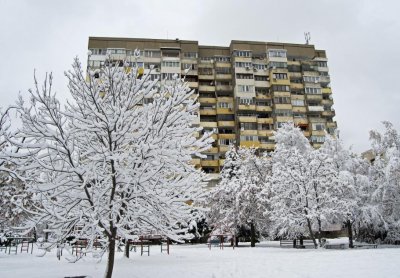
x=307, y=36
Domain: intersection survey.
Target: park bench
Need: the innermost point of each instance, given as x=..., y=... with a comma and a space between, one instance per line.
x=365, y=245
x=289, y=243
x=335, y=245
x=79, y=247
x=306, y=243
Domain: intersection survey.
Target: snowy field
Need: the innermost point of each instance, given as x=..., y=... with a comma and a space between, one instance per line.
x=266, y=260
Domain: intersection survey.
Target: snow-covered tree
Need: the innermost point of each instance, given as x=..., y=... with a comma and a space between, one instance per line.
x=385, y=177
x=292, y=210
x=115, y=161
x=236, y=201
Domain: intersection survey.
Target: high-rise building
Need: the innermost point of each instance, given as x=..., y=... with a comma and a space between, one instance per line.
x=246, y=90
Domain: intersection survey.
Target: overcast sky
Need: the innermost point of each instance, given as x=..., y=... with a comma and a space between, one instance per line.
x=361, y=38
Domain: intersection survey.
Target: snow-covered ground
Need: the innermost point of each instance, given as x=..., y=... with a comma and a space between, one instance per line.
x=266, y=260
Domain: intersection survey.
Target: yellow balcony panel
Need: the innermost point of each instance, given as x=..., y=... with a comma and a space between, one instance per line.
x=247, y=119
x=193, y=85
x=226, y=136
x=208, y=112
x=223, y=76
x=283, y=106
x=214, y=136
x=265, y=120
x=331, y=124
x=208, y=100
x=242, y=59
x=212, y=150
x=318, y=132
x=251, y=107
x=284, y=119
x=281, y=94
x=226, y=123
x=296, y=63
x=250, y=144
x=262, y=96
x=300, y=109
x=267, y=133
x=208, y=124
x=195, y=161
x=328, y=102
x=267, y=146
x=206, y=88
x=190, y=72
x=220, y=64
x=223, y=148
x=196, y=134
x=249, y=132
x=295, y=74
x=326, y=90
x=225, y=111
x=275, y=81
x=317, y=145
x=300, y=121
x=299, y=97
x=209, y=163
x=224, y=88
x=328, y=113
x=225, y=99
x=314, y=97
x=221, y=162
x=306, y=133
x=206, y=77
x=296, y=86
x=264, y=108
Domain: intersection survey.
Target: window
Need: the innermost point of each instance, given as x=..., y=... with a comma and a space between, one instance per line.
x=322, y=64
x=261, y=90
x=299, y=115
x=246, y=101
x=263, y=103
x=222, y=70
x=260, y=78
x=170, y=64
x=280, y=75
x=189, y=66
x=283, y=113
x=206, y=71
x=317, y=139
x=318, y=126
x=311, y=79
x=224, y=105
x=222, y=58
x=243, y=65
x=248, y=126
x=297, y=102
x=98, y=51
x=259, y=66
x=155, y=66
x=313, y=91
x=265, y=126
x=280, y=88
x=153, y=77
x=189, y=54
x=249, y=138
x=245, y=88
x=226, y=142
x=206, y=58
x=241, y=53
x=277, y=53
x=152, y=53
x=244, y=76
x=282, y=100
x=168, y=76
x=276, y=65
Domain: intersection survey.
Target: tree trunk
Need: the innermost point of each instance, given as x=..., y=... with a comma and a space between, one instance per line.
x=252, y=235
x=111, y=254
x=236, y=241
x=350, y=233
x=311, y=233
x=319, y=231
x=127, y=248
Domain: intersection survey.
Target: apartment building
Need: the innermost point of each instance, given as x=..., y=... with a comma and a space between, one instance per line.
x=246, y=90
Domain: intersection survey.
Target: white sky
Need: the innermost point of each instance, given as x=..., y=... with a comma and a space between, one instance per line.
x=362, y=40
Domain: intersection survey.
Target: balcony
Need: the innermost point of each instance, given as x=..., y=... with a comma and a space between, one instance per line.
x=300, y=121
x=283, y=106
x=263, y=96
x=313, y=97
x=248, y=107
x=224, y=111
x=249, y=132
x=214, y=136
x=208, y=112
x=318, y=132
x=295, y=75
x=328, y=113
x=326, y=90
x=206, y=88
x=193, y=85
x=224, y=148
x=223, y=76
x=224, y=88
x=247, y=119
x=263, y=108
x=265, y=120
x=301, y=109
x=207, y=100
x=315, y=108
x=208, y=124
x=265, y=133
x=221, y=162
x=274, y=81
x=250, y=144
x=267, y=146
x=226, y=123
x=327, y=102
x=298, y=86
x=226, y=136
x=206, y=77
x=331, y=124
x=209, y=163
x=195, y=161
x=306, y=133
x=283, y=119
x=212, y=150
